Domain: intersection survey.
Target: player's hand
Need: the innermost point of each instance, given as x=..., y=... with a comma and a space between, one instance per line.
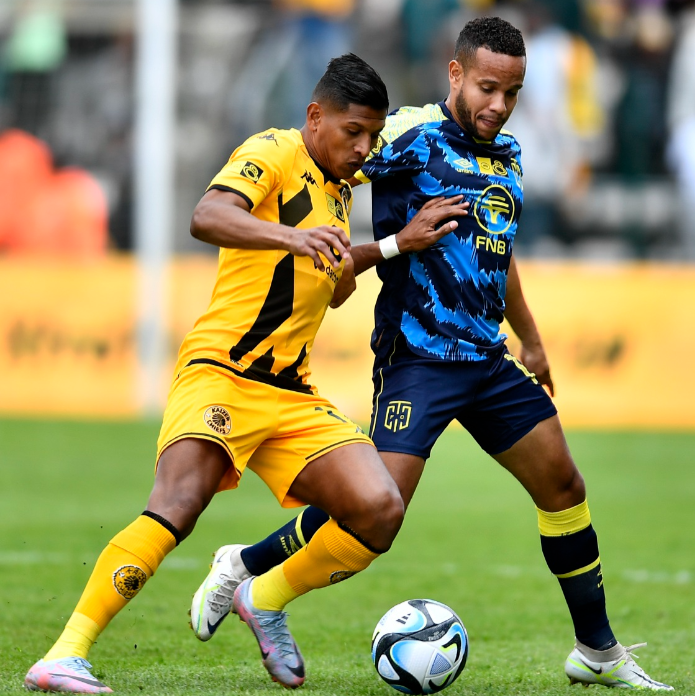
x=346, y=285
x=319, y=243
x=422, y=231
x=535, y=360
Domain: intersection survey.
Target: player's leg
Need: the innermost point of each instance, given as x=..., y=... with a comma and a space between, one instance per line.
x=515, y=421
x=405, y=469
x=233, y=563
x=187, y=477
x=542, y=462
x=353, y=486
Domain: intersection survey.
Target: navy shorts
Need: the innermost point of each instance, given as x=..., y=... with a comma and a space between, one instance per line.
x=496, y=399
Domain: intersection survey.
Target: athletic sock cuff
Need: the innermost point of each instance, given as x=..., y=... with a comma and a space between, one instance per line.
x=349, y=547
x=147, y=539
x=165, y=523
x=570, y=521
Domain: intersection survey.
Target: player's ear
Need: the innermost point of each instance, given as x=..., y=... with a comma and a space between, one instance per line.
x=313, y=115
x=455, y=72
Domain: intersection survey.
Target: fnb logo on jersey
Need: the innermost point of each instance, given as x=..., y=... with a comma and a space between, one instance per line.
x=494, y=209
x=398, y=415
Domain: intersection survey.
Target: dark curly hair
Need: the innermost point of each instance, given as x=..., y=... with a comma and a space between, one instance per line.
x=350, y=80
x=493, y=33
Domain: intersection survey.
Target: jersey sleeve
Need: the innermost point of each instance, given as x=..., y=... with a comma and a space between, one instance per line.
x=257, y=168
x=398, y=150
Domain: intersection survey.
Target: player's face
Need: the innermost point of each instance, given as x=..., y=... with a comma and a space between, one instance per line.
x=484, y=93
x=342, y=139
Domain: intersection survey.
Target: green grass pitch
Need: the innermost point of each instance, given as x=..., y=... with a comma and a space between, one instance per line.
x=470, y=540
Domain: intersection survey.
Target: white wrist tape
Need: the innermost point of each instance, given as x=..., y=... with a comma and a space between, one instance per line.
x=389, y=247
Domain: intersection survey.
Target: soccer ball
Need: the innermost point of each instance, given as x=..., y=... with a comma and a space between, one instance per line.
x=420, y=646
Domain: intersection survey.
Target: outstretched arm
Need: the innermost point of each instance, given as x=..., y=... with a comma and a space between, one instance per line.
x=521, y=320
x=224, y=219
x=421, y=232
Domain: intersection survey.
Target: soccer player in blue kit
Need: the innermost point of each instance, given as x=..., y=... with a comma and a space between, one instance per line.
x=439, y=351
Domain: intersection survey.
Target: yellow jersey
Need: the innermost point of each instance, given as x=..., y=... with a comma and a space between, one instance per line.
x=267, y=306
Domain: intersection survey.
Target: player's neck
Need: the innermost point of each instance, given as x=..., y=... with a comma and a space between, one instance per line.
x=449, y=103
x=308, y=138
x=310, y=145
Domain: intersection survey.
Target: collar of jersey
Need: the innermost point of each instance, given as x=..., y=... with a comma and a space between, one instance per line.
x=445, y=110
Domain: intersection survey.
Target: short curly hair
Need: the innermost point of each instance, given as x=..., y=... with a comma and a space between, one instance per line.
x=350, y=80
x=493, y=33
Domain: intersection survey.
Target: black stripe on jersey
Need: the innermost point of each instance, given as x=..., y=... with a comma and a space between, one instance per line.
x=276, y=309
x=291, y=370
x=296, y=209
x=228, y=189
x=279, y=381
x=264, y=363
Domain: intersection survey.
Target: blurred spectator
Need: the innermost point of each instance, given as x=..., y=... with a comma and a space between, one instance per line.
x=640, y=116
x=681, y=126
x=558, y=117
x=47, y=212
x=424, y=23
x=34, y=50
x=291, y=55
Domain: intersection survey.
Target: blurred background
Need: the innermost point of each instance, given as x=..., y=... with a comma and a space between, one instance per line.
x=116, y=114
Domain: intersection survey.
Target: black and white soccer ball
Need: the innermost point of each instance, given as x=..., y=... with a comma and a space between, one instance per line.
x=420, y=646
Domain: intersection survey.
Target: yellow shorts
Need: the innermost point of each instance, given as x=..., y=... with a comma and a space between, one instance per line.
x=274, y=431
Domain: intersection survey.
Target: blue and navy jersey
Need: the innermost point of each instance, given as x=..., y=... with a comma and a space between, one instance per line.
x=447, y=301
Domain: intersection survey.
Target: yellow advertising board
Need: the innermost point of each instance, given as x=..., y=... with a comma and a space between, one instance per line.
x=615, y=335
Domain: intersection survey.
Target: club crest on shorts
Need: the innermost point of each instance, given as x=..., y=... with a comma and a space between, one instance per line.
x=217, y=418
x=128, y=580
x=340, y=575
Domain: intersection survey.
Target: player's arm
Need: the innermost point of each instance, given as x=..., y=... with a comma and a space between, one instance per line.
x=521, y=320
x=420, y=233
x=223, y=218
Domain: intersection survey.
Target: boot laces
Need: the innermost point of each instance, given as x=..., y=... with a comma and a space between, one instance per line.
x=275, y=625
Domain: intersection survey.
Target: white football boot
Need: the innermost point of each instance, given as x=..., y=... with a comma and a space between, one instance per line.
x=615, y=667
x=213, y=600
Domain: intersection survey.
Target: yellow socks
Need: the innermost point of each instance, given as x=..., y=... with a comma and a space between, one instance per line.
x=121, y=570
x=332, y=555
x=570, y=521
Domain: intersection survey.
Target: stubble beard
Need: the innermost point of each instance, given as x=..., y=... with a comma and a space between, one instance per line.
x=465, y=117
x=463, y=112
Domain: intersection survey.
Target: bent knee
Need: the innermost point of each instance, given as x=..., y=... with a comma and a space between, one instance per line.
x=378, y=518
x=566, y=489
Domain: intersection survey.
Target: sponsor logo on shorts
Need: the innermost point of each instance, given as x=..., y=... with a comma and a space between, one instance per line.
x=252, y=171
x=128, y=580
x=398, y=415
x=217, y=418
x=340, y=575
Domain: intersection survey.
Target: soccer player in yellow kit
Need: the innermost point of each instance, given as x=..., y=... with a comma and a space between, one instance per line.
x=241, y=395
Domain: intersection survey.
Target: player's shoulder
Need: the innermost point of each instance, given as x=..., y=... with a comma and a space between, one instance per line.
x=508, y=140
x=275, y=140
x=412, y=120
